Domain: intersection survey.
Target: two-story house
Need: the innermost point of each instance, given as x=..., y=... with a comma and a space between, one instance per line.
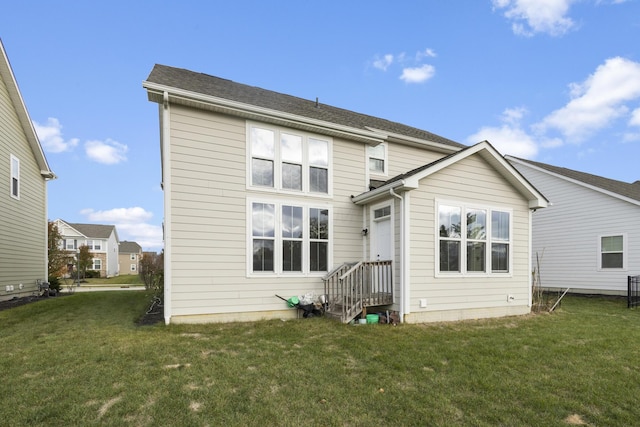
x=588, y=240
x=102, y=241
x=24, y=173
x=267, y=194
x=129, y=256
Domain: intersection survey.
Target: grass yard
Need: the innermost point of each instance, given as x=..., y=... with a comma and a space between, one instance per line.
x=79, y=360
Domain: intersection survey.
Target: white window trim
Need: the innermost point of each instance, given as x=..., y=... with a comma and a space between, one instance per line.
x=277, y=162
x=132, y=257
x=385, y=159
x=465, y=206
x=133, y=267
x=14, y=174
x=373, y=243
x=277, y=256
x=624, y=252
x=93, y=264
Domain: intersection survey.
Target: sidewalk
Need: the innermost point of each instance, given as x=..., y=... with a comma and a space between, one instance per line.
x=98, y=288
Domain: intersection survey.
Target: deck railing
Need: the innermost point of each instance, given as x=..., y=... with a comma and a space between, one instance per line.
x=352, y=287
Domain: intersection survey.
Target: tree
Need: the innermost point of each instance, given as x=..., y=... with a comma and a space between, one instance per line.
x=59, y=258
x=151, y=271
x=85, y=260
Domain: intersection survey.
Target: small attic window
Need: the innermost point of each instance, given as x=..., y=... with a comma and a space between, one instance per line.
x=15, y=177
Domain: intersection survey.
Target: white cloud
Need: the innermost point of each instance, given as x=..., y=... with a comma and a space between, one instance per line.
x=597, y=101
x=419, y=74
x=108, y=152
x=131, y=224
x=537, y=16
x=384, y=62
x=427, y=53
x=635, y=118
x=50, y=135
x=509, y=138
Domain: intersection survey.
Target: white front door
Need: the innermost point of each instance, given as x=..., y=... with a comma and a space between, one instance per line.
x=381, y=237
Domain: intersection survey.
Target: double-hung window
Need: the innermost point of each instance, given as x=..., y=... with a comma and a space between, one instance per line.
x=377, y=159
x=288, y=238
x=473, y=240
x=612, y=252
x=97, y=264
x=288, y=161
x=15, y=177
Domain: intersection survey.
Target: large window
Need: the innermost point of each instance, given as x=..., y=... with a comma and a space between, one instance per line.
x=465, y=235
x=612, y=252
x=288, y=161
x=15, y=177
x=288, y=238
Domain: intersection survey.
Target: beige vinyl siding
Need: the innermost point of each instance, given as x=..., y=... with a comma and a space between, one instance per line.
x=22, y=222
x=470, y=181
x=403, y=158
x=209, y=197
x=565, y=235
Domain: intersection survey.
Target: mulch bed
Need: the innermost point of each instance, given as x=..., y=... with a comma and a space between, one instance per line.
x=155, y=313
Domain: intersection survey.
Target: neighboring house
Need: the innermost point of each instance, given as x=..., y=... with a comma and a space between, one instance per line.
x=588, y=239
x=129, y=256
x=267, y=194
x=24, y=173
x=102, y=241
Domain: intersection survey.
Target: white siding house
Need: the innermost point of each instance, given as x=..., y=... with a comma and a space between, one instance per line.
x=588, y=240
x=102, y=241
x=266, y=194
x=24, y=173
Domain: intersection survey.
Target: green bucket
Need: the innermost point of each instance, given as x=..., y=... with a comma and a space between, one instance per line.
x=373, y=318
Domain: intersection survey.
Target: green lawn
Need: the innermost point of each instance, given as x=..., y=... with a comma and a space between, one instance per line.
x=80, y=360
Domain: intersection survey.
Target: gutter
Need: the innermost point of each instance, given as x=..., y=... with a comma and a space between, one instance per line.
x=171, y=94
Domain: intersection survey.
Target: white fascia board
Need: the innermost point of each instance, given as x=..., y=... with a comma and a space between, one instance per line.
x=380, y=192
x=575, y=181
x=373, y=138
x=23, y=114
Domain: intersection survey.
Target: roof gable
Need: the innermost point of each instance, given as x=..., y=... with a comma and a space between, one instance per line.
x=619, y=189
x=7, y=76
x=188, y=87
x=410, y=180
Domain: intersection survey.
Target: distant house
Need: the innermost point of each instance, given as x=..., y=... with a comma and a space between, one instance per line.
x=129, y=256
x=102, y=241
x=267, y=194
x=589, y=238
x=24, y=173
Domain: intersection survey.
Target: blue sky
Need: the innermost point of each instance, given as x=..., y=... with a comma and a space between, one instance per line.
x=557, y=81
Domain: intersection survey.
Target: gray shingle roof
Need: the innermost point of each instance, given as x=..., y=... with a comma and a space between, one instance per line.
x=96, y=231
x=214, y=86
x=630, y=190
x=126, y=247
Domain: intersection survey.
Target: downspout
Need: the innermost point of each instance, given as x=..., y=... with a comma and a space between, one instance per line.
x=402, y=254
x=530, y=258
x=166, y=186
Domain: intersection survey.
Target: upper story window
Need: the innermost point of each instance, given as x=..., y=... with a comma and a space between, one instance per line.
x=473, y=240
x=612, y=252
x=71, y=244
x=288, y=161
x=377, y=159
x=15, y=177
x=94, y=245
x=132, y=257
